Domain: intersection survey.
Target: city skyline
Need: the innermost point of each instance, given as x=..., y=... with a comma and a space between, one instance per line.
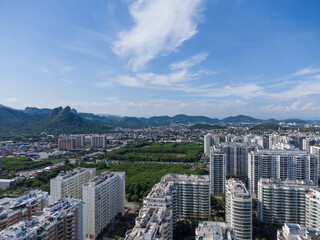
x=146, y=58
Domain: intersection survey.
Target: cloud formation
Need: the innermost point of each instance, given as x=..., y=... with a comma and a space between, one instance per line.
x=160, y=26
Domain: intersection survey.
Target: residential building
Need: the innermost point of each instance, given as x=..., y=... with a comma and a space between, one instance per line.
x=7, y=183
x=70, y=183
x=217, y=171
x=239, y=209
x=209, y=141
x=214, y=231
x=175, y=197
x=153, y=223
x=98, y=141
x=312, y=208
x=13, y=210
x=292, y=231
x=66, y=143
x=282, y=164
x=237, y=157
x=63, y=220
x=283, y=201
x=104, y=196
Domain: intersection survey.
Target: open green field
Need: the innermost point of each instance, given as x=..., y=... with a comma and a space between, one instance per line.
x=157, y=152
x=25, y=163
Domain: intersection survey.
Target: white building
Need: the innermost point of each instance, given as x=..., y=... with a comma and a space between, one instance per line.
x=237, y=156
x=282, y=164
x=214, y=231
x=175, y=197
x=312, y=208
x=218, y=170
x=153, y=223
x=210, y=140
x=292, y=231
x=283, y=201
x=64, y=219
x=6, y=183
x=239, y=209
x=70, y=183
x=98, y=141
x=104, y=196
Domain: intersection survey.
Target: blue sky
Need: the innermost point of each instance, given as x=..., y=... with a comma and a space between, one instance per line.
x=163, y=57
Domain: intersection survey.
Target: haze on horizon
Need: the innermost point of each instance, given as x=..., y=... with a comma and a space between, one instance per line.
x=163, y=57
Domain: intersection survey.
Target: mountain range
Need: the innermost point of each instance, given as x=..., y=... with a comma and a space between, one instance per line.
x=33, y=120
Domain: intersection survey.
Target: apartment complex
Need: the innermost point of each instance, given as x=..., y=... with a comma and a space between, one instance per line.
x=70, y=183
x=237, y=156
x=217, y=171
x=283, y=201
x=239, y=209
x=175, y=197
x=104, y=196
x=214, y=231
x=282, y=164
x=13, y=210
x=63, y=220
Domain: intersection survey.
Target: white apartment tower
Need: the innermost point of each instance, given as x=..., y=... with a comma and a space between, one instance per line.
x=313, y=208
x=239, y=209
x=283, y=201
x=70, y=183
x=210, y=140
x=104, y=196
x=217, y=171
x=282, y=164
x=175, y=197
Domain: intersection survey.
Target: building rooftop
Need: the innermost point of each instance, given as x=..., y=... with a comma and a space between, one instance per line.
x=237, y=188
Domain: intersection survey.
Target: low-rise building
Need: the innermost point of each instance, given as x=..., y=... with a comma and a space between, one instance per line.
x=292, y=231
x=214, y=231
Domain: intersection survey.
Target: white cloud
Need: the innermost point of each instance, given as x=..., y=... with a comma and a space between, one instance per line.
x=160, y=26
x=190, y=62
x=307, y=71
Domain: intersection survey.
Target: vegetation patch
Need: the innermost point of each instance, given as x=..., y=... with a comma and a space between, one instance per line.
x=158, y=152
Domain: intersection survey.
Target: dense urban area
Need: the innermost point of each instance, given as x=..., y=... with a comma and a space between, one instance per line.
x=238, y=179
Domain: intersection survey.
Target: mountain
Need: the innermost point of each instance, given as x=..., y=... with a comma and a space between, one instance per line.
x=11, y=120
x=241, y=119
x=37, y=111
x=60, y=120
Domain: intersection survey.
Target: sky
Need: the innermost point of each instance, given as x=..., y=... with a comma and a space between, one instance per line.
x=163, y=57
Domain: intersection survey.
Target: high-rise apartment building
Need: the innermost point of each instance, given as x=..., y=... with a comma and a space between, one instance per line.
x=237, y=157
x=283, y=201
x=217, y=171
x=239, y=209
x=63, y=220
x=104, y=196
x=66, y=143
x=98, y=141
x=70, y=183
x=176, y=196
x=209, y=141
x=312, y=208
x=282, y=164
